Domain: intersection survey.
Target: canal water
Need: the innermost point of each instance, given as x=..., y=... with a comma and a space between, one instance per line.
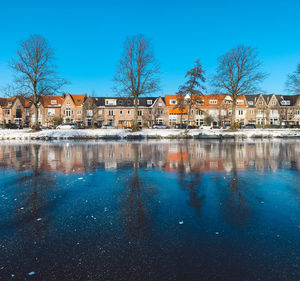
x=156, y=210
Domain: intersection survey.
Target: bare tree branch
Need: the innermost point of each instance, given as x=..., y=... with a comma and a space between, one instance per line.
x=35, y=74
x=238, y=73
x=293, y=81
x=137, y=72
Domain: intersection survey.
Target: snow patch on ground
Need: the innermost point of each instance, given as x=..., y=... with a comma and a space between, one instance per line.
x=26, y=134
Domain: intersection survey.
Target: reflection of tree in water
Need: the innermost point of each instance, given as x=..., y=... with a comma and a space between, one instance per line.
x=190, y=179
x=35, y=195
x=137, y=208
x=236, y=207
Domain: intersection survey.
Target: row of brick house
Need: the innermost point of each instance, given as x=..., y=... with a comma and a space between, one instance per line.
x=119, y=111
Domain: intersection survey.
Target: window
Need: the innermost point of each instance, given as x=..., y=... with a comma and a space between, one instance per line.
x=110, y=112
x=79, y=112
x=240, y=112
x=290, y=111
x=139, y=113
x=68, y=103
x=298, y=112
x=160, y=104
x=6, y=112
x=274, y=112
x=173, y=101
x=89, y=104
x=110, y=102
x=250, y=102
x=240, y=102
x=229, y=112
x=68, y=111
x=223, y=112
x=199, y=112
x=282, y=111
x=273, y=102
x=89, y=122
x=285, y=102
x=160, y=111
x=53, y=101
x=9, y=103
x=149, y=102
x=51, y=111
x=121, y=112
x=89, y=113
x=199, y=102
x=138, y=102
x=120, y=102
x=212, y=102
x=150, y=111
x=260, y=112
x=79, y=100
x=260, y=103
x=27, y=112
x=128, y=111
x=251, y=111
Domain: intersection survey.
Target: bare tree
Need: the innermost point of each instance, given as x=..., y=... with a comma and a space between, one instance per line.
x=238, y=73
x=192, y=87
x=293, y=81
x=137, y=72
x=35, y=72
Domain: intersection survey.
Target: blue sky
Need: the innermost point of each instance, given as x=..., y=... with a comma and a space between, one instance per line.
x=88, y=36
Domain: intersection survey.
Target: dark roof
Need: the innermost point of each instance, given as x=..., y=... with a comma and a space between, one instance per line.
x=125, y=101
x=286, y=100
x=251, y=100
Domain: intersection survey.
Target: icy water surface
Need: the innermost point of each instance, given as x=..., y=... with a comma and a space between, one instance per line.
x=161, y=210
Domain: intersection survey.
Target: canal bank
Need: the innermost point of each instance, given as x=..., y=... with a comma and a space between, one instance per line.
x=118, y=134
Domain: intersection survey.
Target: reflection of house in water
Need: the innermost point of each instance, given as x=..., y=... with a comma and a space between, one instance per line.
x=79, y=157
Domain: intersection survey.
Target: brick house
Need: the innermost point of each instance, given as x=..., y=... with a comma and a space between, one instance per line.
x=71, y=108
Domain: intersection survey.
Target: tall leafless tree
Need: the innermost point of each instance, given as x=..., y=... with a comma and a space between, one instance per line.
x=293, y=81
x=137, y=72
x=193, y=88
x=238, y=73
x=35, y=74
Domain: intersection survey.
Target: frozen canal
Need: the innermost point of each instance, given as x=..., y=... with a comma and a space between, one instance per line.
x=161, y=210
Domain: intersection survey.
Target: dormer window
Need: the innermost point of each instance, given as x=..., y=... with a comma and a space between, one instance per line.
x=110, y=102
x=79, y=100
x=212, y=101
x=239, y=102
x=200, y=102
x=9, y=103
x=149, y=102
x=173, y=101
x=250, y=102
x=128, y=102
x=120, y=102
x=53, y=101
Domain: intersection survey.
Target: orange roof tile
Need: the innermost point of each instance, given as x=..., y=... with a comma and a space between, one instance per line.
x=177, y=111
x=78, y=99
x=4, y=102
x=51, y=101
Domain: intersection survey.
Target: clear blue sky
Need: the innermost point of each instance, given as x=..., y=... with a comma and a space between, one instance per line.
x=88, y=36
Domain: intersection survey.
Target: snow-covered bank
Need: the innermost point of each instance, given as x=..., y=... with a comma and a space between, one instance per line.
x=26, y=134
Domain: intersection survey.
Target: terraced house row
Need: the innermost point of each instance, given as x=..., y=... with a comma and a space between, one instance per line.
x=283, y=110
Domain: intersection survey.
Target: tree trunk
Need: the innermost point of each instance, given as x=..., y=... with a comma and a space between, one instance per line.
x=36, y=116
x=135, y=126
x=233, y=125
x=188, y=119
